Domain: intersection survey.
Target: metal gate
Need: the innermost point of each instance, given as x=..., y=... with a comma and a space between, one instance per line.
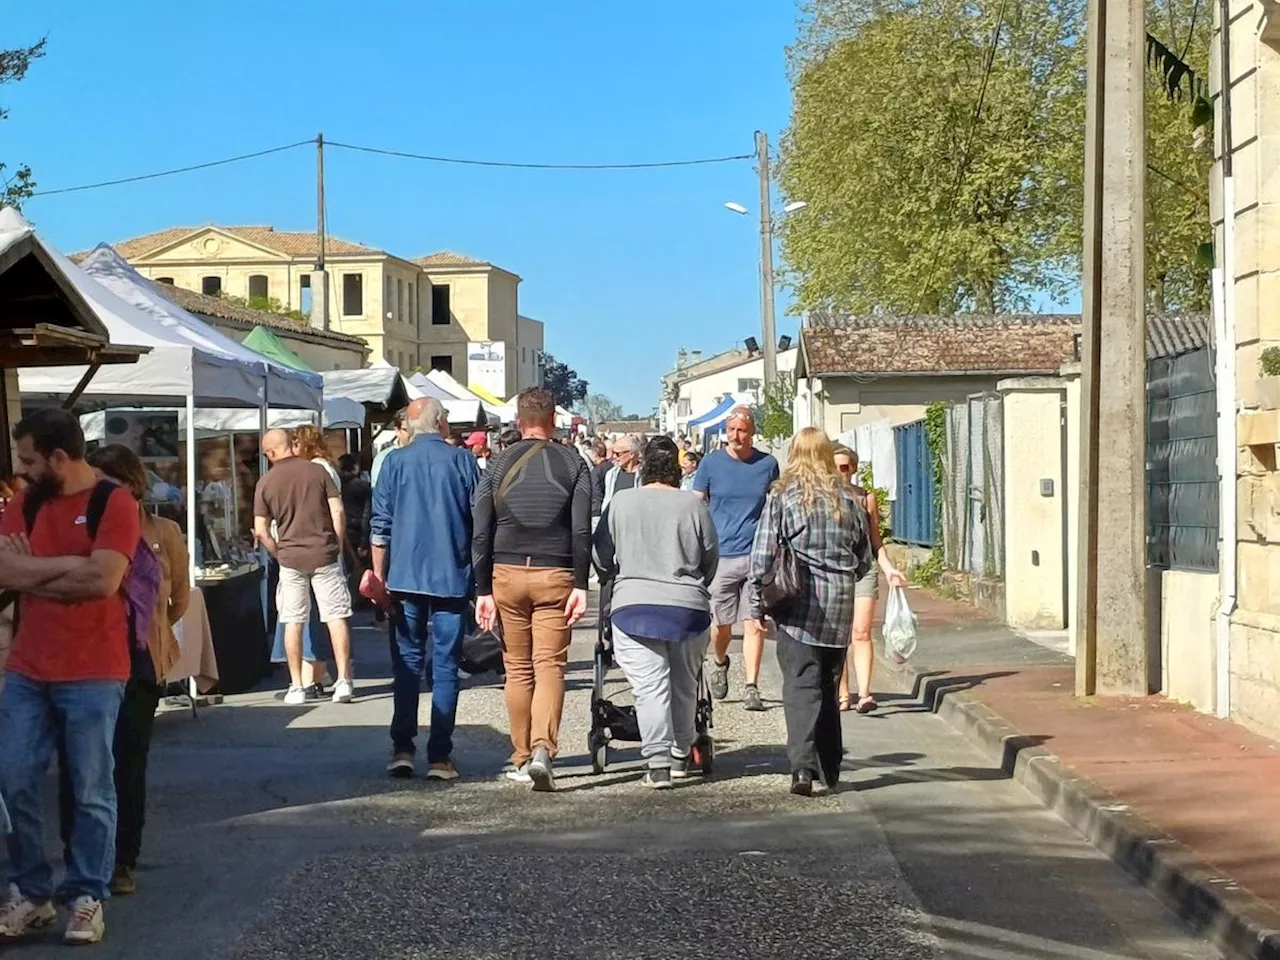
x=914, y=515
x=973, y=500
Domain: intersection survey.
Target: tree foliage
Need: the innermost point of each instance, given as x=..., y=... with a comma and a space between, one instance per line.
x=775, y=412
x=914, y=207
x=17, y=186
x=563, y=381
x=600, y=408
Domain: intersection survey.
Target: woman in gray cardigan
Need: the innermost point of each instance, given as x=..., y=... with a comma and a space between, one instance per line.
x=658, y=545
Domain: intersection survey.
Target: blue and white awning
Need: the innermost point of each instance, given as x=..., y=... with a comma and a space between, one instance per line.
x=715, y=415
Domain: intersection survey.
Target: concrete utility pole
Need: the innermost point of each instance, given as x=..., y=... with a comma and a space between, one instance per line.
x=770, y=345
x=1113, y=652
x=320, y=276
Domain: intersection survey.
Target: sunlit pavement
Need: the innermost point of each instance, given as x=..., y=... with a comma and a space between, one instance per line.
x=273, y=832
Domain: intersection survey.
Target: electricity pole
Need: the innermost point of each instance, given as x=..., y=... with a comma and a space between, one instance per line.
x=320, y=276
x=1113, y=650
x=770, y=345
x=320, y=201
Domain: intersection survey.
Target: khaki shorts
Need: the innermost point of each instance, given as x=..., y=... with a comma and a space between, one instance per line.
x=293, y=594
x=868, y=586
x=729, y=591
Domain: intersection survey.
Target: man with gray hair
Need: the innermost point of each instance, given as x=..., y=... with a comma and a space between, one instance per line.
x=625, y=472
x=420, y=538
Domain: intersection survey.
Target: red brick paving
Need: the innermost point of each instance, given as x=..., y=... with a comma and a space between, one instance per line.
x=1210, y=784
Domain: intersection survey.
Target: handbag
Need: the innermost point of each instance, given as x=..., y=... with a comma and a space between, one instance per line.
x=782, y=583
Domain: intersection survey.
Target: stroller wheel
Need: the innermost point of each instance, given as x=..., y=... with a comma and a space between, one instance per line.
x=599, y=750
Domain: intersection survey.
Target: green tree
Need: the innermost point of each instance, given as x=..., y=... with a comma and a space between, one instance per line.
x=775, y=412
x=563, y=381
x=17, y=186
x=909, y=212
x=600, y=408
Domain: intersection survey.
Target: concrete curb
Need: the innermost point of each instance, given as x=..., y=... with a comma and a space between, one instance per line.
x=1234, y=920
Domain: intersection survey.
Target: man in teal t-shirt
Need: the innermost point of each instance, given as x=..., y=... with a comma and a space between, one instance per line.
x=735, y=481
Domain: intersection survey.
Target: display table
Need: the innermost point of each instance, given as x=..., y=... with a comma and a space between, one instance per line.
x=197, y=658
x=234, y=604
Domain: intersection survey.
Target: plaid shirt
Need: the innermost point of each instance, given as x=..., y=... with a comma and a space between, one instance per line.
x=832, y=553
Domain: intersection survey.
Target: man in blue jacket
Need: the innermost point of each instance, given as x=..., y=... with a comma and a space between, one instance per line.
x=420, y=539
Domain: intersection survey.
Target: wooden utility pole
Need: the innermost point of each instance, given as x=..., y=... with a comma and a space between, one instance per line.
x=320, y=276
x=320, y=228
x=770, y=345
x=1113, y=653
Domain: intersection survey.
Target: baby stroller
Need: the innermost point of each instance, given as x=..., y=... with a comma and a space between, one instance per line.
x=610, y=722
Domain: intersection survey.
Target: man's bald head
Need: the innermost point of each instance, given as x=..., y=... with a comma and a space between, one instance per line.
x=276, y=445
x=426, y=415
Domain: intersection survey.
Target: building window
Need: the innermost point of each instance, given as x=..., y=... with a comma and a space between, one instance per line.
x=684, y=407
x=352, y=295
x=168, y=280
x=750, y=385
x=304, y=294
x=523, y=354
x=413, y=313
x=386, y=297
x=442, y=361
x=440, y=315
x=258, y=287
x=211, y=286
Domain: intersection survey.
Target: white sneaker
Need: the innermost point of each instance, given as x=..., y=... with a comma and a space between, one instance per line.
x=343, y=691
x=86, y=924
x=19, y=916
x=296, y=697
x=519, y=774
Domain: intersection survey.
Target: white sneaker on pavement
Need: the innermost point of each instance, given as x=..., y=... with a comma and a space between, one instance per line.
x=19, y=916
x=296, y=697
x=86, y=924
x=519, y=774
x=343, y=691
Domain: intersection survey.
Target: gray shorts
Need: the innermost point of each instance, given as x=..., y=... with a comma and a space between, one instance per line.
x=868, y=586
x=729, y=591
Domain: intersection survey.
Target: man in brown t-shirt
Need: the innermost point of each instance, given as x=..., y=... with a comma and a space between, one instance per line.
x=306, y=506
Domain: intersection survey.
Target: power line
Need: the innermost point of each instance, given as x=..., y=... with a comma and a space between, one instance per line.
x=540, y=166
x=396, y=153
x=963, y=168
x=170, y=173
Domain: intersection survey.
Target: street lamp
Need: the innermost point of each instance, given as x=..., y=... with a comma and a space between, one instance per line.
x=767, y=325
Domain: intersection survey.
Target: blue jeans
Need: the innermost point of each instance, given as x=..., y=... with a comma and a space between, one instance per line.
x=33, y=716
x=448, y=617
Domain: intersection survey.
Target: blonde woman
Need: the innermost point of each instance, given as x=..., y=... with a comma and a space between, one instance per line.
x=813, y=513
x=862, y=654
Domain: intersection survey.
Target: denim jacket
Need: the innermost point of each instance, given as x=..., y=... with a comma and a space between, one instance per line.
x=422, y=511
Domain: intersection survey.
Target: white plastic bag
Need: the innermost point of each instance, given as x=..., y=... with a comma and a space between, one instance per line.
x=899, y=627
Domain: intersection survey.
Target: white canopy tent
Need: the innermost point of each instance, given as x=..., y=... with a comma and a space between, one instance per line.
x=339, y=413
x=376, y=385
x=505, y=413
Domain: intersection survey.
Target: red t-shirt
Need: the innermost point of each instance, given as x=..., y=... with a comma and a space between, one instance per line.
x=89, y=640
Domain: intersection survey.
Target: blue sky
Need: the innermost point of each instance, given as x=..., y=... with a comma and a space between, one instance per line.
x=624, y=267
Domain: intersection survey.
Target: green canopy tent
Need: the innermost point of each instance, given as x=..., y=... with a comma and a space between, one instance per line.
x=263, y=341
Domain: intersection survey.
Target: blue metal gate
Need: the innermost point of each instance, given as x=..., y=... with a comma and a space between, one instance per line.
x=915, y=517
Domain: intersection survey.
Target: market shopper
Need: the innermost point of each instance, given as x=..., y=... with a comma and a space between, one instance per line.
x=298, y=500
x=532, y=553
x=657, y=545
x=401, y=431
x=420, y=536
x=815, y=515
x=625, y=472
x=132, y=744
x=735, y=480
x=66, y=672
x=861, y=660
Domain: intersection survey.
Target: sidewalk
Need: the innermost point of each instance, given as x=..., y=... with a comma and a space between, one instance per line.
x=1186, y=803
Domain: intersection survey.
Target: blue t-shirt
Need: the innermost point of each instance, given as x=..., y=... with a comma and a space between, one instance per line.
x=735, y=490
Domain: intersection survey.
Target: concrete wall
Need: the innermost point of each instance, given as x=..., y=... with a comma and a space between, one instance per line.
x=1035, y=547
x=504, y=323
x=528, y=370
x=1189, y=602
x=1254, y=666
x=844, y=404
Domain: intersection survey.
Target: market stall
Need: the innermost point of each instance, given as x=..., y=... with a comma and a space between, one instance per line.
x=190, y=365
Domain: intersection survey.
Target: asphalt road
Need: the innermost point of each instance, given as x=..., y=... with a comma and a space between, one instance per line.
x=274, y=833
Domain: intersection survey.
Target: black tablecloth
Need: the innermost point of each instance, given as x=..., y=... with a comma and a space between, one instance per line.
x=239, y=635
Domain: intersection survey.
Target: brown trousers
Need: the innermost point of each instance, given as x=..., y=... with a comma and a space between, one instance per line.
x=535, y=650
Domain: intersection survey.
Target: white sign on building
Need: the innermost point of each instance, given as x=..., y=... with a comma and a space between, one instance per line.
x=487, y=366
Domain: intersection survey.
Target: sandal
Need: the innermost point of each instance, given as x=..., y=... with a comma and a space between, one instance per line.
x=846, y=704
x=867, y=704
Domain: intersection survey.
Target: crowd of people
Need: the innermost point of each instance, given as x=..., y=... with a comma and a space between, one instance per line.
x=446, y=535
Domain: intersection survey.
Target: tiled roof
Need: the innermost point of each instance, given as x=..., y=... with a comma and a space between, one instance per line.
x=446, y=258
x=220, y=309
x=1008, y=344
x=292, y=243
x=1169, y=336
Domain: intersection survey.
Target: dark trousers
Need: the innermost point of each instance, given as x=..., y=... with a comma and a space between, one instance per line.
x=412, y=658
x=131, y=748
x=810, y=685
